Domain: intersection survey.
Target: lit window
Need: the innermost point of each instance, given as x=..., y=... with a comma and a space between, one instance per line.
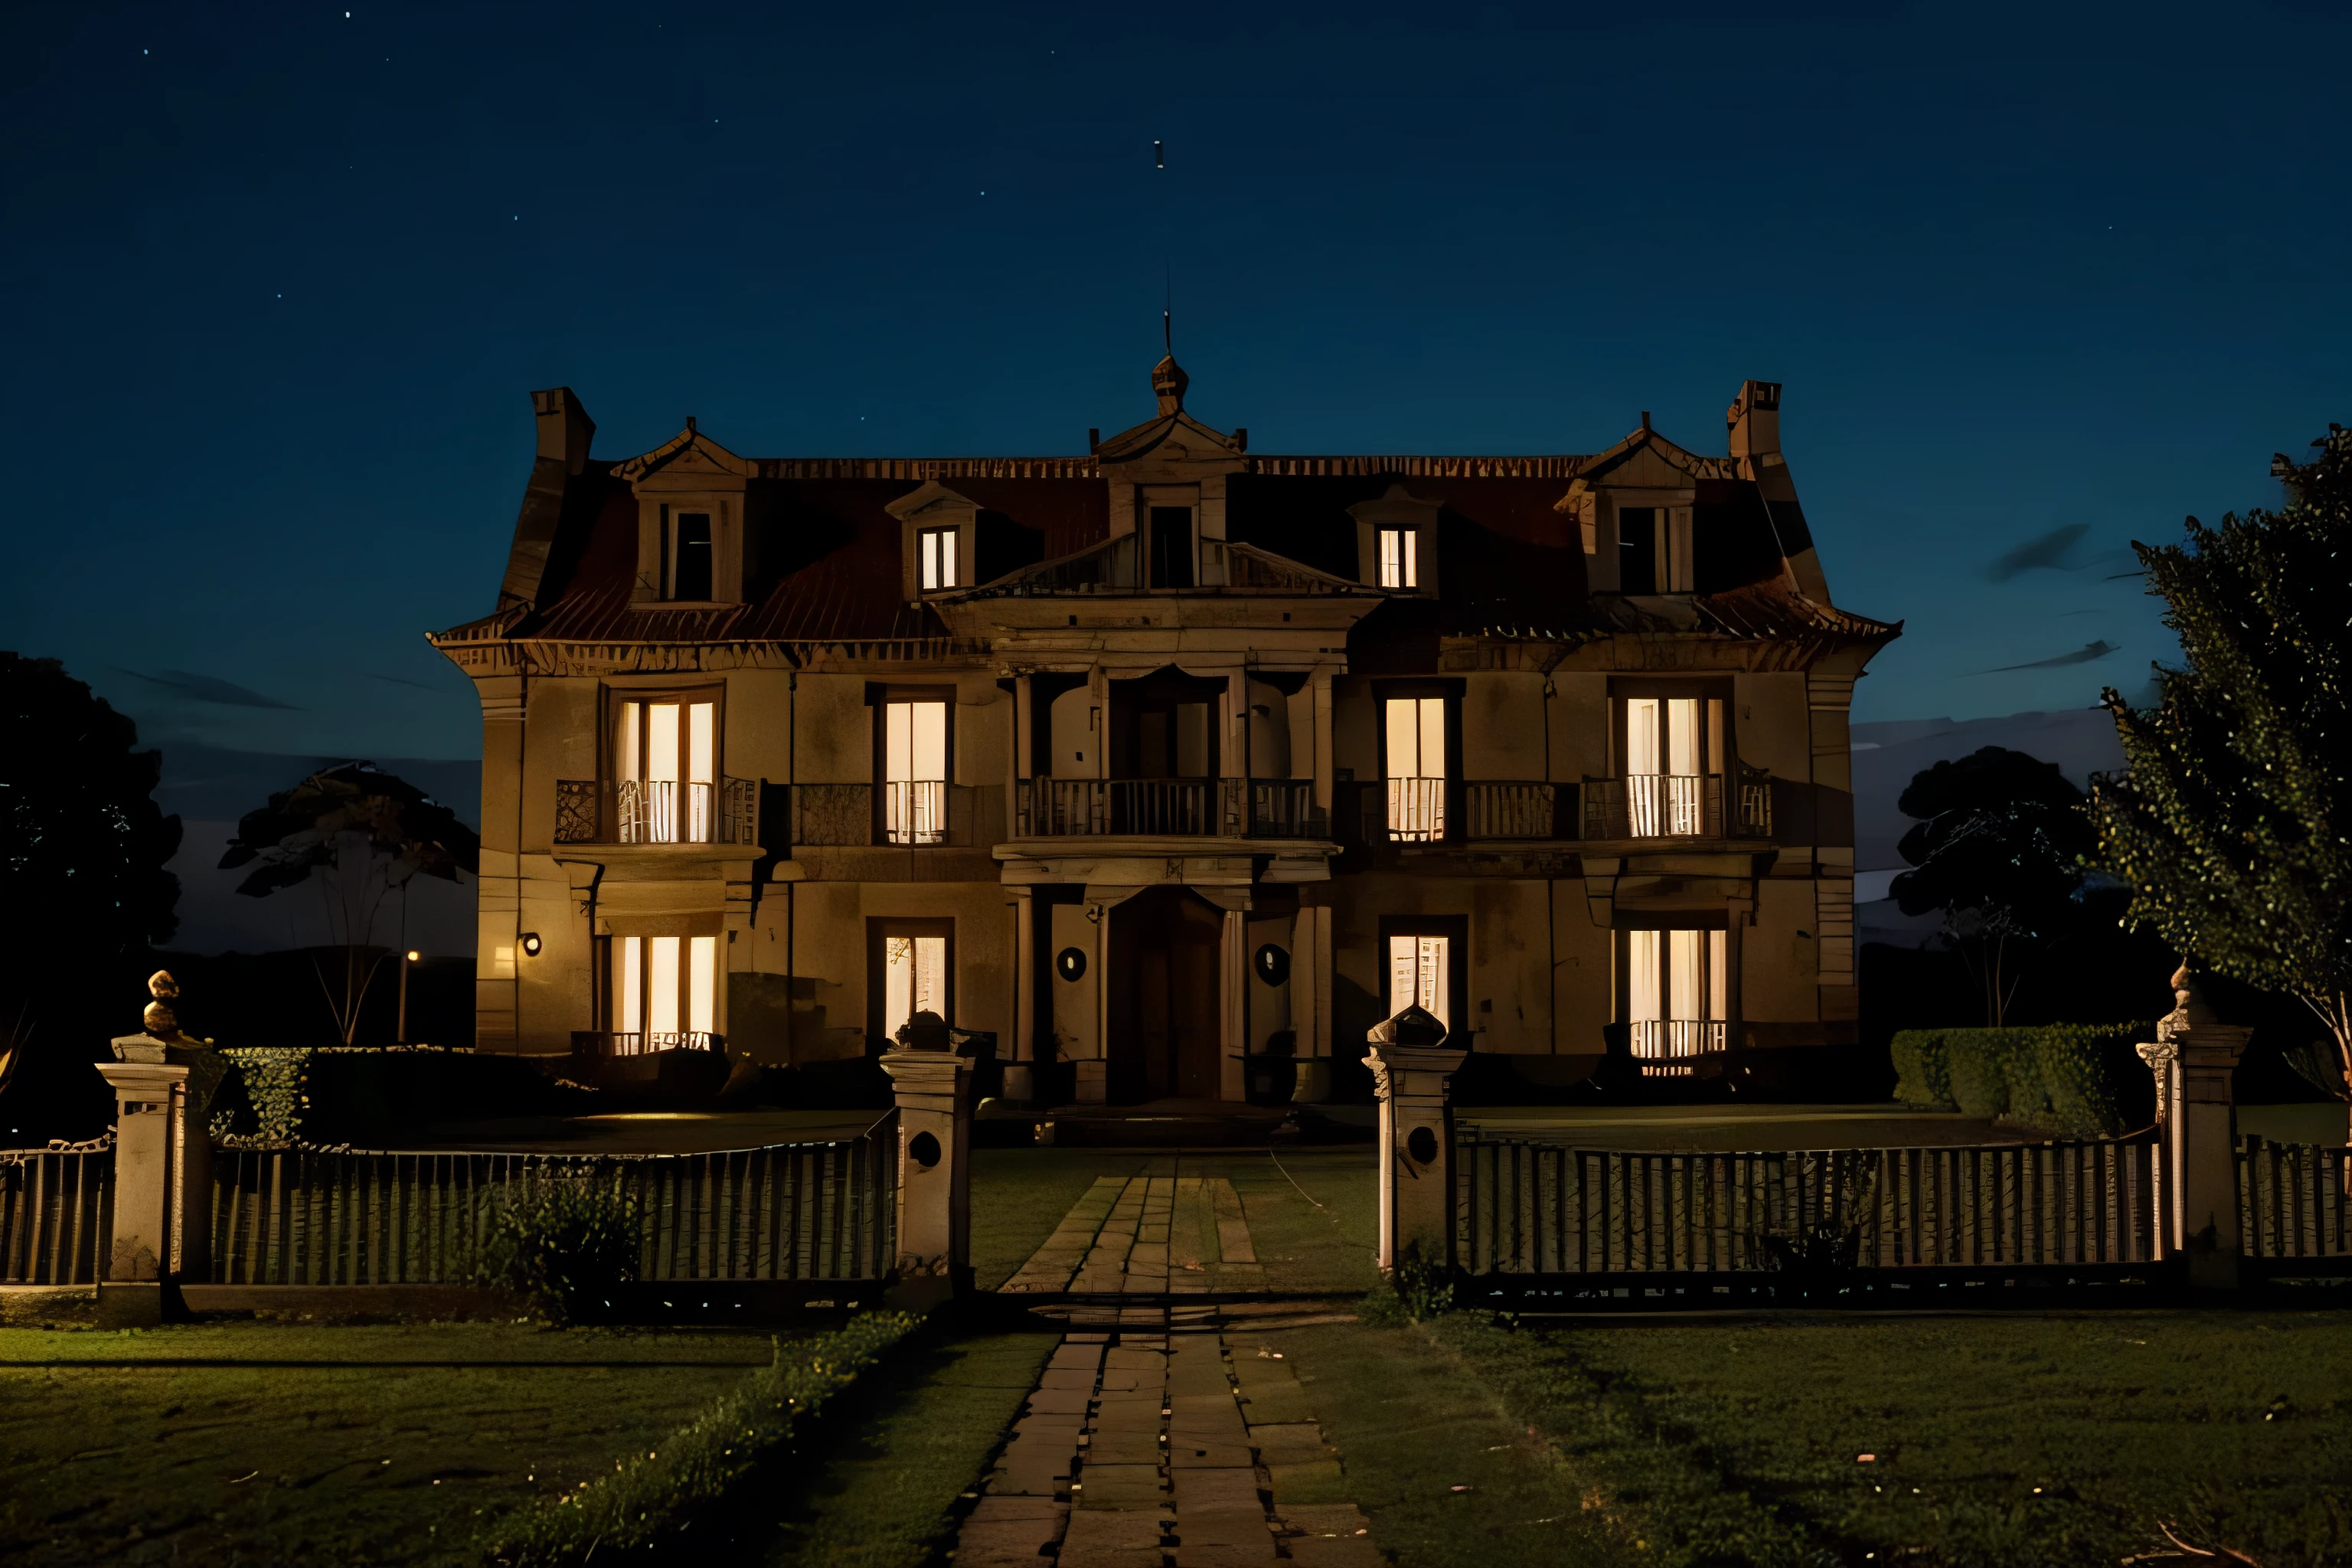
x=1400, y=558
x=914, y=980
x=667, y=768
x=665, y=993
x=937, y=548
x=915, y=772
x=1417, y=967
x=1675, y=989
x=1416, y=767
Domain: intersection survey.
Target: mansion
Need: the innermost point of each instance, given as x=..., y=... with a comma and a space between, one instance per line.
x=1147, y=765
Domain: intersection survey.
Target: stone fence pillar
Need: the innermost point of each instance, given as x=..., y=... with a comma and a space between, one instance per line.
x=163, y=1184
x=933, y=1086
x=2193, y=1057
x=1411, y=1071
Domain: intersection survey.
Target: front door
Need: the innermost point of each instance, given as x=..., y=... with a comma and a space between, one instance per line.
x=1164, y=1006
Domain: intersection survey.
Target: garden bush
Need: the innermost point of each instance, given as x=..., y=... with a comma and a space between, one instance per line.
x=564, y=1244
x=2061, y=1077
x=367, y=1095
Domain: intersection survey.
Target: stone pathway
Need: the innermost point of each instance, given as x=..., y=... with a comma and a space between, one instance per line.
x=1160, y=1435
x=1153, y=1235
x=1158, y=1449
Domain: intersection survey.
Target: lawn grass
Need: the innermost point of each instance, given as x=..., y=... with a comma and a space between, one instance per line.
x=2024, y=1441
x=1412, y=1421
x=299, y=1442
x=876, y=1484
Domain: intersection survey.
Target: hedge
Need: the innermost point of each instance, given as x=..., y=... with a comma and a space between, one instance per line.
x=278, y=1095
x=2065, y=1078
x=696, y=1465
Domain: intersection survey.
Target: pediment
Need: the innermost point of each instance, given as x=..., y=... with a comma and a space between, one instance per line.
x=932, y=496
x=1647, y=460
x=687, y=455
x=1397, y=506
x=1171, y=440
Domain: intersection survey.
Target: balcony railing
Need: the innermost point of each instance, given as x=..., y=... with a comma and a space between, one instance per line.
x=1675, y=806
x=1178, y=808
x=1523, y=810
x=1416, y=810
x=656, y=811
x=602, y=1043
x=915, y=811
x=1668, y=1047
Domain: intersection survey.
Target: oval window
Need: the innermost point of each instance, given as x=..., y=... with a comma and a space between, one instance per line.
x=924, y=1149
x=1273, y=965
x=1070, y=963
x=1421, y=1144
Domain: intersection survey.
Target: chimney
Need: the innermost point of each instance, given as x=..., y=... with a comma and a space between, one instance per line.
x=1755, y=419
x=564, y=427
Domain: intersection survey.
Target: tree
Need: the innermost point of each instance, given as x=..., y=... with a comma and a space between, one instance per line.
x=83, y=892
x=2229, y=821
x=1999, y=849
x=360, y=835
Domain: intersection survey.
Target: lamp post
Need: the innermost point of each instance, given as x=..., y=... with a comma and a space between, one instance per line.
x=411, y=956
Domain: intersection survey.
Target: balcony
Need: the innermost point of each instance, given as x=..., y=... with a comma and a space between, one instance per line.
x=920, y=814
x=656, y=811
x=610, y=1044
x=1177, y=808
x=1416, y=810
x=1520, y=810
x=1675, y=806
x=1669, y=1047
x=915, y=811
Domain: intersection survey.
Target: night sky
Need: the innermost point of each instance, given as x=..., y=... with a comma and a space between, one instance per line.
x=278, y=280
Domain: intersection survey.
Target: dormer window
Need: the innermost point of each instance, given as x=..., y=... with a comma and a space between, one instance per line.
x=1400, y=558
x=1653, y=544
x=686, y=555
x=936, y=554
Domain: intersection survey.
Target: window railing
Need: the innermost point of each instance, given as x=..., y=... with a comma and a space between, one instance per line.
x=1416, y=813
x=1675, y=1039
x=915, y=811
x=658, y=811
x=1183, y=808
x=1678, y=806
x=603, y=1043
x=1517, y=810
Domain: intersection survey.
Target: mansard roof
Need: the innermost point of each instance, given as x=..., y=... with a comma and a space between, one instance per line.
x=824, y=539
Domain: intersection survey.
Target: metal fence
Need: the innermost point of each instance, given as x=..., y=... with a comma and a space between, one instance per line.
x=795, y=1211
x=1532, y=1208
x=2294, y=1201
x=56, y=1213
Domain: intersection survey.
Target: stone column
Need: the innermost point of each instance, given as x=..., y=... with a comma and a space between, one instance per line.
x=1020, y=1054
x=1411, y=1071
x=933, y=1087
x=151, y=1156
x=2193, y=1057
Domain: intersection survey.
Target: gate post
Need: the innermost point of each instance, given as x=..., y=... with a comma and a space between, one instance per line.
x=151, y=1153
x=933, y=1087
x=1411, y=1071
x=2193, y=1057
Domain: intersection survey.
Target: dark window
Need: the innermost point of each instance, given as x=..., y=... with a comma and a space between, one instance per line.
x=1171, y=546
x=693, y=556
x=1637, y=550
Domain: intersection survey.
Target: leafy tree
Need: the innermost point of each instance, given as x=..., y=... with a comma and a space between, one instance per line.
x=83, y=892
x=1999, y=849
x=2229, y=821
x=358, y=835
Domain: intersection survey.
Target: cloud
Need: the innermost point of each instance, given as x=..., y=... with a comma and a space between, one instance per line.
x=396, y=680
x=2046, y=551
x=2083, y=655
x=209, y=689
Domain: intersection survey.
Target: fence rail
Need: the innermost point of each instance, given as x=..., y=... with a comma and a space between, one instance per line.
x=2294, y=1200
x=1532, y=1208
x=800, y=1211
x=56, y=1214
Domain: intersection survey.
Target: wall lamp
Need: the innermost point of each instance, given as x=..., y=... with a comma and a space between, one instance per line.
x=531, y=944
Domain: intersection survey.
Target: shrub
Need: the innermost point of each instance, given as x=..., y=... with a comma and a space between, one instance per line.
x=564, y=1244
x=2064, y=1078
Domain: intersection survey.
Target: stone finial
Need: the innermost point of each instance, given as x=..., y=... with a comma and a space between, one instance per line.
x=1412, y=1026
x=158, y=1020
x=1167, y=384
x=926, y=1031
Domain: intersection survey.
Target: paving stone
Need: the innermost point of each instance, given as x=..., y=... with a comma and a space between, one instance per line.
x=1003, y=1509
x=1194, y=1454
x=1212, y=1490
x=1086, y=1339
x=1081, y=1378
x=1126, y=1448
x=1277, y=1407
x=1118, y=1485
x=1316, y=1551
x=1113, y=1538
x=1014, y=1541
x=1288, y=1443
x=1311, y=1480
x=1060, y=1401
